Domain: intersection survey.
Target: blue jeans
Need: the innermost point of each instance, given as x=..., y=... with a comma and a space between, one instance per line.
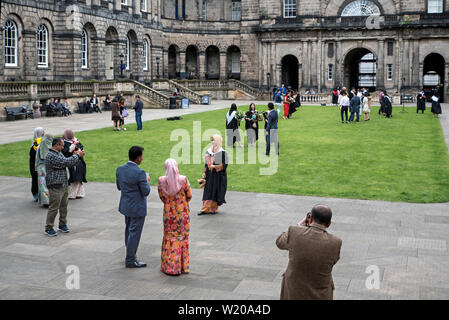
x=139, y=120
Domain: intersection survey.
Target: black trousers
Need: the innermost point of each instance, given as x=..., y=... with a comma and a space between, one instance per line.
x=344, y=109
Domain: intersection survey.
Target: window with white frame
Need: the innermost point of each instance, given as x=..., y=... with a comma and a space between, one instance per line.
x=236, y=10
x=125, y=2
x=289, y=8
x=330, y=72
x=128, y=52
x=84, y=50
x=434, y=6
x=10, y=44
x=42, y=46
x=389, y=72
x=143, y=6
x=204, y=9
x=145, y=55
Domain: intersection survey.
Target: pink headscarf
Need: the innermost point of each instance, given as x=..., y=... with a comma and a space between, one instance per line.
x=172, y=182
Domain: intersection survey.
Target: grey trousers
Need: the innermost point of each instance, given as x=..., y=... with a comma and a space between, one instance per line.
x=58, y=201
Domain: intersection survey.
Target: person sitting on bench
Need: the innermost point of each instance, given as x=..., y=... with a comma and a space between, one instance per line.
x=94, y=103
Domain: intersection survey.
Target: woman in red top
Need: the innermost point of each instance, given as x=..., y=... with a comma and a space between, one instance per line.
x=286, y=105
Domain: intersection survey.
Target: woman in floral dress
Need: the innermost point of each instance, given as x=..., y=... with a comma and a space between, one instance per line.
x=175, y=192
x=44, y=196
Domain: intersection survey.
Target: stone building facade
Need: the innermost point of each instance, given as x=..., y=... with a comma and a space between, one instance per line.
x=399, y=45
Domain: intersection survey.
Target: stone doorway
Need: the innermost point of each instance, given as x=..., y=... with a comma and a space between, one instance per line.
x=360, y=68
x=290, y=72
x=110, y=53
x=173, y=58
x=212, y=63
x=434, y=74
x=192, y=62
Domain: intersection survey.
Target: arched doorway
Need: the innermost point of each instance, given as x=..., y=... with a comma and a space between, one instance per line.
x=173, y=52
x=434, y=74
x=290, y=71
x=360, y=69
x=111, y=53
x=132, y=59
x=212, y=63
x=192, y=62
x=233, y=63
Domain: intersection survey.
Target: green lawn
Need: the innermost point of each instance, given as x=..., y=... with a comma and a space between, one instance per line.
x=399, y=159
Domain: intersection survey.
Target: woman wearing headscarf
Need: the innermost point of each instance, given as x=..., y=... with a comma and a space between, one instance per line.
x=77, y=174
x=232, y=126
x=215, y=175
x=43, y=195
x=38, y=134
x=175, y=192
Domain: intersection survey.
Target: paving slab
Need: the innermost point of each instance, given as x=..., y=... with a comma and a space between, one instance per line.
x=233, y=254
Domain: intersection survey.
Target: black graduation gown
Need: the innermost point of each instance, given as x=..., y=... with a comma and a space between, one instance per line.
x=249, y=124
x=78, y=172
x=33, y=172
x=295, y=105
x=233, y=125
x=216, y=182
x=420, y=102
x=436, y=107
x=388, y=108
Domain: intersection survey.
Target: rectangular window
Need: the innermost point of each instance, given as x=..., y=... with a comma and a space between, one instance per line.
x=236, y=10
x=204, y=10
x=390, y=48
x=124, y=2
x=176, y=10
x=434, y=6
x=289, y=8
x=143, y=6
x=330, y=72
x=389, y=72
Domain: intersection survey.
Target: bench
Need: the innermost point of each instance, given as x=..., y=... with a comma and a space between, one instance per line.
x=48, y=110
x=12, y=112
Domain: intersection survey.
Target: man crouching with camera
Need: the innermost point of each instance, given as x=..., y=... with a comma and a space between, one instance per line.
x=312, y=254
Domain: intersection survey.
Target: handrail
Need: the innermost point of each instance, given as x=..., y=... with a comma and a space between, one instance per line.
x=152, y=94
x=190, y=94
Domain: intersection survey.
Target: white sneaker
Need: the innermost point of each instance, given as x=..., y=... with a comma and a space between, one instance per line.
x=124, y=129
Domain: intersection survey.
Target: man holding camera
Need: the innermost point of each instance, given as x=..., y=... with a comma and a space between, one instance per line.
x=312, y=254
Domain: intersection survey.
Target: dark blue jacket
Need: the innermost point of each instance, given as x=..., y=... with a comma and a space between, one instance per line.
x=272, y=120
x=354, y=105
x=139, y=106
x=132, y=182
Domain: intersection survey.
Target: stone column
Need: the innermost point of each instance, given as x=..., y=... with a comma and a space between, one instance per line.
x=100, y=47
x=96, y=2
x=29, y=55
x=260, y=51
x=223, y=56
x=446, y=83
x=380, y=74
x=421, y=74
x=320, y=64
x=415, y=65
x=405, y=62
x=182, y=64
x=136, y=7
x=117, y=5
x=202, y=65
x=399, y=45
x=305, y=64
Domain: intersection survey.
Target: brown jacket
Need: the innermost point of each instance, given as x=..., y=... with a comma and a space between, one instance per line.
x=312, y=254
x=115, y=108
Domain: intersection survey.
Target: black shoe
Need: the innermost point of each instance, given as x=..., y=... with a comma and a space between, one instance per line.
x=202, y=213
x=136, y=264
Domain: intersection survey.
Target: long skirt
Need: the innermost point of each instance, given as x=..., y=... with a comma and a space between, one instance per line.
x=76, y=190
x=286, y=109
x=175, y=255
x=209, y=206
x=43, y=195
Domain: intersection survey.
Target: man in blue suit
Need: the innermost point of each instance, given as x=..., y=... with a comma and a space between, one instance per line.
x=134, y=184
x=271, y=130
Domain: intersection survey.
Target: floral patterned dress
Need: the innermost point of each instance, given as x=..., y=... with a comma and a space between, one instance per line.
x=43, y=197
x=176, y=219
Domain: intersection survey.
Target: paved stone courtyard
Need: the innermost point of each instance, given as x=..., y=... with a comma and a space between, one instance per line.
x=233, y=254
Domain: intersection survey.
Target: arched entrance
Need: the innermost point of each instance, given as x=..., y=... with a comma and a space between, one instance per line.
x=360, y=69
x=290, y=71
x=173, y=52
x=233, y=63
x=434, y=74
x=111, y=54
x=212, y=63
x=192, y=62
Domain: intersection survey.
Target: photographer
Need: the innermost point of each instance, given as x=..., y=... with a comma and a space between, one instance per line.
x=312, y=254
x=78, y=172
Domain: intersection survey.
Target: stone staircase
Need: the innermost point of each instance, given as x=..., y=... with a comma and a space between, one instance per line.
x=152, y=97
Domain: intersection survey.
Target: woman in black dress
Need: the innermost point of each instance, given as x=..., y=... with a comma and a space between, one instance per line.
x=216, y=178
x=232, y=127
x=77, y=173
x=252, y=125
x=38, y=135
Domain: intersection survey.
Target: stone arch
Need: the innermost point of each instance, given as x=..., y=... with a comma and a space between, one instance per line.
x=290, y=71
x=173, y=61
x=212, y=62
x=134, y=59
x=333, y=8
x=112, y=53
x=233, y=61
x=353, y=74
x=149, y=57
x=92, y=66
x=192, y=56
x=435, y=63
